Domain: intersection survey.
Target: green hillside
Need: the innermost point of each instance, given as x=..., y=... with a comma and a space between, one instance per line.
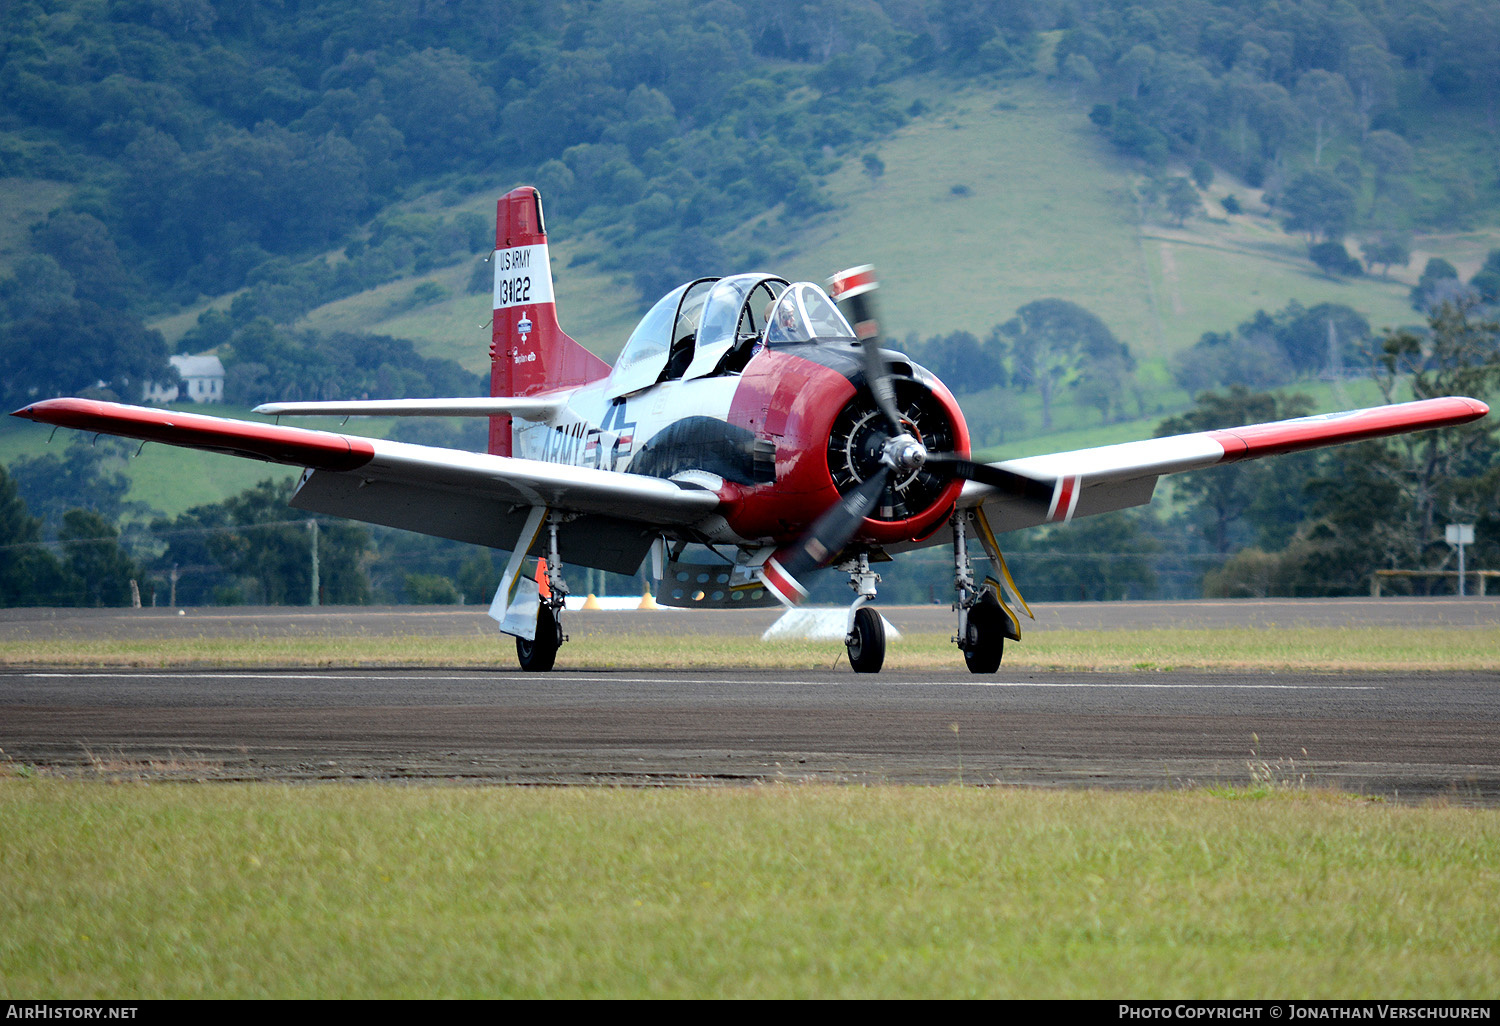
x=982, y=161
x=1047, y=210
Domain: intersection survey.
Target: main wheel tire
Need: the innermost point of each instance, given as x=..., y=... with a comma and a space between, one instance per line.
x=984, y=642
x=539, y=655
x=867, y=646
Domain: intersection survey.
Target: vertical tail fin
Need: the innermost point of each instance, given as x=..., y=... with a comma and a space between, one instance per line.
x=529, y=353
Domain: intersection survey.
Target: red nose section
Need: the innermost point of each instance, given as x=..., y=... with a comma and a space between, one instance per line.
x=794, y=403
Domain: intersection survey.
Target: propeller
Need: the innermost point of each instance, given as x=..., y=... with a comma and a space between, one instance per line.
x=855, y=289
x=899, y=451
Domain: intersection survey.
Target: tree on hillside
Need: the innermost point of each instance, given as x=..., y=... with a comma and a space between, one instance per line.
x=1334, y=260
x=86, y=476
x=1219, y=499
x=1391, y=156
x=1052, y=339
x=1319, y=206
x=41, y=357
x=100, y=570
x=1182, y=200
x=1277, y=120
x=1387, y=250
x=1486, y=281
x=1383, y=504
x=1371, y=73
x=253, y=548
x=1439, y=284
x=963, y=362
x=29, y=574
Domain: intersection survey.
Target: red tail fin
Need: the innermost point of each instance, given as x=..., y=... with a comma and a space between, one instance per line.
x=529, y=352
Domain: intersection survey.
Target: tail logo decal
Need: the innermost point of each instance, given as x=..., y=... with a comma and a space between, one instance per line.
x=522, y=276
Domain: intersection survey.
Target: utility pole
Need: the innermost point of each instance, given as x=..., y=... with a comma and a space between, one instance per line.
x=312, y=525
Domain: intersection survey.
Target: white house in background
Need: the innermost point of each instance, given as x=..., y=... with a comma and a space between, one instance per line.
x=202, y=381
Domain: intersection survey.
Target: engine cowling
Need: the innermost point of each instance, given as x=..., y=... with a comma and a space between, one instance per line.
x=917, y=500
x=812, y=403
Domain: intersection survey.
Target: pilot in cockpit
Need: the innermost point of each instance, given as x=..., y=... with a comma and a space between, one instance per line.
x=804, y=313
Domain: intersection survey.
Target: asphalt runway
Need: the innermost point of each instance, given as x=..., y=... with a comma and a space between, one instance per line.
x=1404, y=736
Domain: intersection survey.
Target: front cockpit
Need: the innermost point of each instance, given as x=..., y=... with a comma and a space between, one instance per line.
x=804, y=313
x=713, y=326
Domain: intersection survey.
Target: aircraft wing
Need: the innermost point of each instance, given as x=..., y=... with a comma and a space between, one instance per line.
x=525, y=409
x=449, y=493
x=1112, y=477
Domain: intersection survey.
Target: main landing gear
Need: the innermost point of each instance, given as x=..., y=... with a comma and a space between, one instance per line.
x=983, y=621
x=539, y=654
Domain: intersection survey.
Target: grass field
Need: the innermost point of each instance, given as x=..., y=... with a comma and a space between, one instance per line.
x=1351, y=649
x=173, y=891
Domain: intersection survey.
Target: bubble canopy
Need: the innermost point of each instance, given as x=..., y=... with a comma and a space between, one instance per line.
x=708, y=327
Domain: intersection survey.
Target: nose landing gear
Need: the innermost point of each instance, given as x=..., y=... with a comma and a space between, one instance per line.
x=864, y=638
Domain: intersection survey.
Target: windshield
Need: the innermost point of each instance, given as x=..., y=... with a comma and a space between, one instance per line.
x=803, y=313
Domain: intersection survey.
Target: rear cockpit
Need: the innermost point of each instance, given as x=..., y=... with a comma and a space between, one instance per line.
x=713, y=326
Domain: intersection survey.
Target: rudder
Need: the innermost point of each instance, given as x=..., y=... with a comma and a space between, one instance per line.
x=529, y=352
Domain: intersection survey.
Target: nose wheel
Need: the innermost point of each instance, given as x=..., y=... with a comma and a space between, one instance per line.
x=864, y=637
x=866, y=641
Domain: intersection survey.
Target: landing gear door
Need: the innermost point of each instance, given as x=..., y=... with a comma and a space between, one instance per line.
x=516, y=600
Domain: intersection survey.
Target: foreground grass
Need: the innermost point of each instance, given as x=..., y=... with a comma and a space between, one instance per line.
x=1351, y=649
x=262, y=890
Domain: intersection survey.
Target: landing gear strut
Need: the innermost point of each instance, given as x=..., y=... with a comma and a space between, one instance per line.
x=865, y=636
x=539, y=654
x=983, y=623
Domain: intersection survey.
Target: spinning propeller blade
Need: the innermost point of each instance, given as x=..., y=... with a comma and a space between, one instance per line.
x=855, y=288
x=823, y=541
